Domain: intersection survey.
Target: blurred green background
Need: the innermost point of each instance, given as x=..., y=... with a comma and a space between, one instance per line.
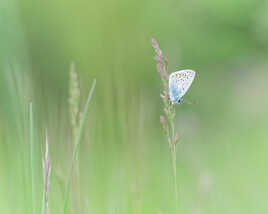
x=124, y=160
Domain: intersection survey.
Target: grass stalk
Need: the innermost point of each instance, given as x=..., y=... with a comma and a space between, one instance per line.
x=76, y=147
x=32, y=146
x=175, y=177
x=174, y=164
x=168, y=120
x=46, y=178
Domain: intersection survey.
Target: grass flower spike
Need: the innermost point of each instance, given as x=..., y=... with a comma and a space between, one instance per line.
x=167, y=120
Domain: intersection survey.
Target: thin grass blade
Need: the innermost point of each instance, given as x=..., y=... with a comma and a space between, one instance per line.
x=32, y=146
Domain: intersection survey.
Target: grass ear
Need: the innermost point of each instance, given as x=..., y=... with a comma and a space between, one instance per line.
x=76, y=146
x=168, y=121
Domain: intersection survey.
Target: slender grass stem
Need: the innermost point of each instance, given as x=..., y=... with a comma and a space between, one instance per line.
x=46, y=177
x=174, y=163
x=77, y=172
x=175, y=177
x=76, y=147
x=32, y=159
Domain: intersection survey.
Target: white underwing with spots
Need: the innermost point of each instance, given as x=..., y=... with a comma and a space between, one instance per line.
x=179, y=83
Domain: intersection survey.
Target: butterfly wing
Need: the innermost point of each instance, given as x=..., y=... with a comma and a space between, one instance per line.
x=179, y=83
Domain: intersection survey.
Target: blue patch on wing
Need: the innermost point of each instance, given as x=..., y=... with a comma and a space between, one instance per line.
x=175, y=94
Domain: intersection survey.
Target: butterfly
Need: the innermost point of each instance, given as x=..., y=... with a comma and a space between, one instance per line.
x=179, y=83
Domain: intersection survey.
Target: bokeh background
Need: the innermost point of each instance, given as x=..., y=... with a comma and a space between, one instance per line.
x=124, y=159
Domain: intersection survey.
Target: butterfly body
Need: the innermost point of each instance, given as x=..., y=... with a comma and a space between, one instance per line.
x=179, y=83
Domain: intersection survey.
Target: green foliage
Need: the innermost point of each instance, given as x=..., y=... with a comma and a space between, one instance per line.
x=123, y=160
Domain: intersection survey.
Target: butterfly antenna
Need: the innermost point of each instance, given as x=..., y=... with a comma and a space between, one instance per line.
x=190, y=102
